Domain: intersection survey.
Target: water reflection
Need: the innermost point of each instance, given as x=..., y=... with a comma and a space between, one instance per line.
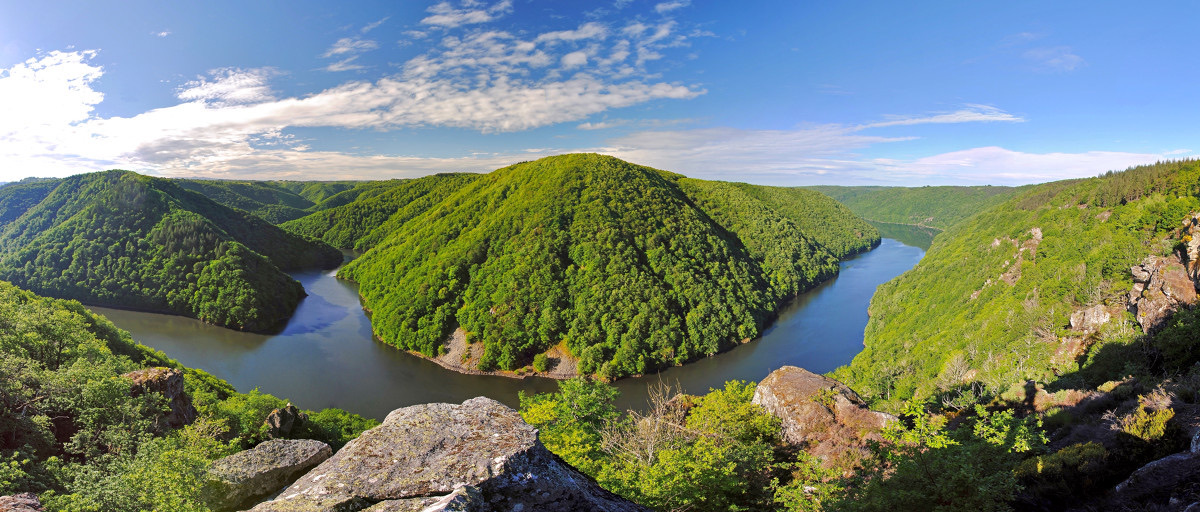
x=326, y=356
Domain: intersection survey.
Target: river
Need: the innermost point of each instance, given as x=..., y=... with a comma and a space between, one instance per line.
x=326, y=356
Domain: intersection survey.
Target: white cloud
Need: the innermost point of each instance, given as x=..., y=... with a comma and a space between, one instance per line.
x=972, y=113
x=374, y=25
x=574, y=60
x=995, y=165
x=346, y=64
x=666, y=7
x=229, y=118
x=52, y=91
x=349, y=45
x=163, y=33
x=586, y=31
x=230, y=86
x=445, y=15
x=1057, y=58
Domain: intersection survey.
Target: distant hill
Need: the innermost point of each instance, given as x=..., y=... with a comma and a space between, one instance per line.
x=935, y=207
x=629, y=268
x=281, y=201
x=121, y=239
x=370, y=213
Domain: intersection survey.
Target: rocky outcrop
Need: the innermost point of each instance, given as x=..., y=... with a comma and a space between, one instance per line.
x=1161, y=286
x=1158, y=480
x=282, y=423
x=168, y=382
x=479, y=455
x=261, y=471
x=1190, y=235
x=1089, y=320
x=24, y=502
x=820, y=414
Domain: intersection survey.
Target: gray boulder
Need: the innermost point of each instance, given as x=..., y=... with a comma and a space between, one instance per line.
x=1160, y=287
x=24, y=502
x=479, y=456
x=260, y=471
x=819, y=414
x=1159, y=480
x=1089, y=320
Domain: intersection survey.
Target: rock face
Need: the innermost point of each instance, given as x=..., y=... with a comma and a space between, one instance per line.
x=24, y=502
x=820, y=414
x=1089, y=320
x=1190, y=234
x=1161, y=286
x=281, y=423
x=1160, y=478
x=261, y=471
x=479, y=456
x=169, y=382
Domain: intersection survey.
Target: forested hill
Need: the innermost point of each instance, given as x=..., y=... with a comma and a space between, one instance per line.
x=991, y=303
x=117, y=238
x=935, y=207
x=281, y=201
x=630, y=268
x=374, y=213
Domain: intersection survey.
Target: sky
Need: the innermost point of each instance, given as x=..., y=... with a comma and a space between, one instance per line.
x=779, y=93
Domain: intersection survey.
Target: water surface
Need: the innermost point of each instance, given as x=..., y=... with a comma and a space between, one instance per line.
x=326, y=356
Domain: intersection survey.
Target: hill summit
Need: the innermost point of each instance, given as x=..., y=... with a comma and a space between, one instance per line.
x=624, y=268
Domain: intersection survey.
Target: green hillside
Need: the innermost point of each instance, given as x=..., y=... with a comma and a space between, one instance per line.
x=370, y=213
x=990, y=303
x=632, y=267
x=120, y=239
x=936, y=207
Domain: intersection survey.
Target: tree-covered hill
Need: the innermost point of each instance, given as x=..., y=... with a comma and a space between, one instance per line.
x=936, y=207
x=281, y=201
x=990, y=303
x=371, y=213
x=117, y=238
x=633, y=268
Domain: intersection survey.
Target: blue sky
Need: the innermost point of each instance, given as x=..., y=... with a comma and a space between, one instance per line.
x=784, y=93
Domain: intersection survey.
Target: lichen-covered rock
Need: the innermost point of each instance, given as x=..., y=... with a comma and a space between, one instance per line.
x=281, y=423
x=24, y=502
x=1161, y=286
x=819, y=414
x=235, y=480
x=478, y=456
x=1089, y=320
x=169, y=382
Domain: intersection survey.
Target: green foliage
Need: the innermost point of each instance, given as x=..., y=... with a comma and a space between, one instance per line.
x=541, y=362
x=715, y=453
x=71, y=430
x=119, y=239
x=570, y=421
x=936, y=207
x=998, y=287
x=1067, y=476
x=336, y=427
x=1147, y=425
x=925, y=467
x=636, y=269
